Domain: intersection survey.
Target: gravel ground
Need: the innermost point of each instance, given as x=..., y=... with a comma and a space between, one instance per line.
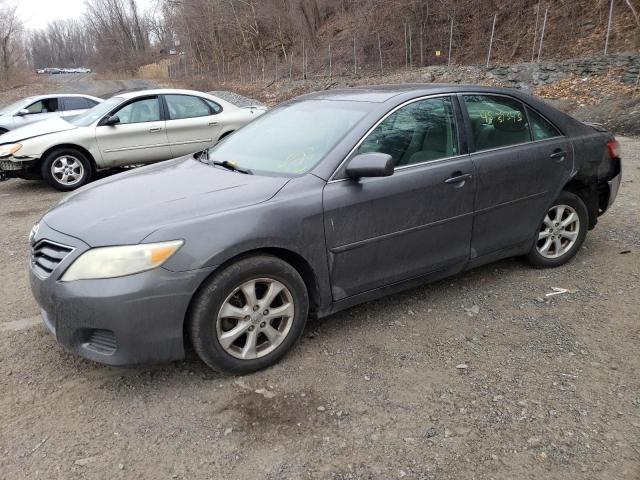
x=235, y=98
x=478, y=376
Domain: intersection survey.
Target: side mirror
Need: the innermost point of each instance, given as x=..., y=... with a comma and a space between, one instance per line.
x=22, y=112
x=112, y=120
x=370, y=165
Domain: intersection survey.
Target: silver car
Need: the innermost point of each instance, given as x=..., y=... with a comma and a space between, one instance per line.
x=129, y=129
x=33, y=109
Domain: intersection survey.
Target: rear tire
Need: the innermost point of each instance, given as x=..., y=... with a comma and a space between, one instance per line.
x=247, y=316
x=3, y=130
x=561, y=233
x=66, y=169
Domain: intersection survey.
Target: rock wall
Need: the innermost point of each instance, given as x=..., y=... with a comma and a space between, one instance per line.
x=625, y=66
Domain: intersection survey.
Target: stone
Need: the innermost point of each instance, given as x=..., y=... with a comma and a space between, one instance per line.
x=83, y=462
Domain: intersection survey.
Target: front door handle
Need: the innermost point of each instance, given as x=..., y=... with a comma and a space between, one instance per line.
x=155, y=129
x=559, y=155
x=458, y=177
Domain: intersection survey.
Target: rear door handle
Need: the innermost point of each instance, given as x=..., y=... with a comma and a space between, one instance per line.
x=558, y=155
x=458, y=178
x=155, y=129
x=213, y=124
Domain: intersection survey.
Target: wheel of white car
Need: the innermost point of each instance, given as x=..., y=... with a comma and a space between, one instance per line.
x=3, y=130
x=66, y=169
x=248, y=315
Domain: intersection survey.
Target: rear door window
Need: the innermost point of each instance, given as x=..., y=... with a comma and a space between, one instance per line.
x=496, y=121
x=419, y=132
x=186, y=106
x=540, y=127
x=215, y=108
x=76, y=103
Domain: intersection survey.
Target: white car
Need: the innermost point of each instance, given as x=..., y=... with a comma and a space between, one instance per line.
x=37, y=108
x=129, y=129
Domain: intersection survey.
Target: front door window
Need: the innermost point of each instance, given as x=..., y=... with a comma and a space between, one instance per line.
x=420, y=132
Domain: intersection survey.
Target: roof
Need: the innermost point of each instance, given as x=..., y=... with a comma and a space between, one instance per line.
x=54, y=95
x=382, y=93
x=158, y=91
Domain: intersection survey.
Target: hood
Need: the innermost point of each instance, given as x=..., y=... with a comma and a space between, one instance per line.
x=126, y=208
x=44, y=127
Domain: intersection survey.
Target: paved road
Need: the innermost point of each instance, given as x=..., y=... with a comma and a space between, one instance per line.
x=551, y=389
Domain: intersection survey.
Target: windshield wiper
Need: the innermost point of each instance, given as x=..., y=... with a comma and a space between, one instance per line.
x=204, y=158
x=232, y=166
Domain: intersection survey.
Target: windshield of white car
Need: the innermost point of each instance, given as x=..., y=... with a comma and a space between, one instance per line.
x=291, y=139
x=14, y=106
x=96, y=113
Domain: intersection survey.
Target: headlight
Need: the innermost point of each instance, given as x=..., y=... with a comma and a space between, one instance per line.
x=33, y=233
x=109, y=262
x=9, y=149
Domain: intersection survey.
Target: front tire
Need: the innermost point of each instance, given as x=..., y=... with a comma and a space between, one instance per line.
x=66, y=169
x=249, y=315
x=561, y=232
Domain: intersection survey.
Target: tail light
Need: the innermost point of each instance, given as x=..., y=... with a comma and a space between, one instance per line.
x=614, y=149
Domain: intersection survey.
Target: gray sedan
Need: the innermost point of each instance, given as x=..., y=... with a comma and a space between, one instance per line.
x=325, y=202
x=34, y=109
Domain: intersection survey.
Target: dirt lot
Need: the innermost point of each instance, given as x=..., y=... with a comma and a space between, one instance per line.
x=551, y=387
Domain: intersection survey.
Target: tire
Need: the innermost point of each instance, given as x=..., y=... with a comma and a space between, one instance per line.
x=224, y=135
x=562, y=238
x=208, y=326
x=75, y=169
x=3, y=130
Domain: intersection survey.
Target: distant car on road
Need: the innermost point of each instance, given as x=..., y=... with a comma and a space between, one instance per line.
x=325, y=202
x=34, y=109
x=129, y=129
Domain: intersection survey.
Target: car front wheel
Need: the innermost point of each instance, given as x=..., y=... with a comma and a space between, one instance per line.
x=66, y=169
x=249, y=315
x=561, y=233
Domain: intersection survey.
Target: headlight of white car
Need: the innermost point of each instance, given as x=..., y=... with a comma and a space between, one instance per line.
x=9, y=149
x=109, y=262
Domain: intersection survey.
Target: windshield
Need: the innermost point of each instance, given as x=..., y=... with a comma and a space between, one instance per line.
x=96, y=113
x=15, y=106
x=291, y=139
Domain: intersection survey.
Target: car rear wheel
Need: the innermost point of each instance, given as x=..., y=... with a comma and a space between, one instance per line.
x=66, y=169
x=561, y=233
x=3, y=130
x=249, y=315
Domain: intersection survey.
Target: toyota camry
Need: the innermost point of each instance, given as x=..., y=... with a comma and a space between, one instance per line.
x=326, y=201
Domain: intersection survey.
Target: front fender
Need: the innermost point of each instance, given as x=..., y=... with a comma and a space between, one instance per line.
x=291, y=221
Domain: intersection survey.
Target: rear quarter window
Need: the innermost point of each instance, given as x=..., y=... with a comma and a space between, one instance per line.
x=540, y=127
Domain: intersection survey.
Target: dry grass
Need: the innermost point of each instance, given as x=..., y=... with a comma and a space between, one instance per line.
x=155, y=71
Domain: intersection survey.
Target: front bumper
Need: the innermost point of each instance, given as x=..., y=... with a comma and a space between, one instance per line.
x=17, y=168
x=119, y=321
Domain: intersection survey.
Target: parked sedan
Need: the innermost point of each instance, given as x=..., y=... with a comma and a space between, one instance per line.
x=34, y=109
x=325, y=202
x=129, y=129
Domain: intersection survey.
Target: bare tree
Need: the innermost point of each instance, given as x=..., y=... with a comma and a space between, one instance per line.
x=10, y=38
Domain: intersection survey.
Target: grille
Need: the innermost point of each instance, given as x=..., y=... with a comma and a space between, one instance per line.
x=46, y=255
x=102, y=341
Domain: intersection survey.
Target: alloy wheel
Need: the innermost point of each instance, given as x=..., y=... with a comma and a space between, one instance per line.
x=559, y=231
x=67, y=170
x=255, y=318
